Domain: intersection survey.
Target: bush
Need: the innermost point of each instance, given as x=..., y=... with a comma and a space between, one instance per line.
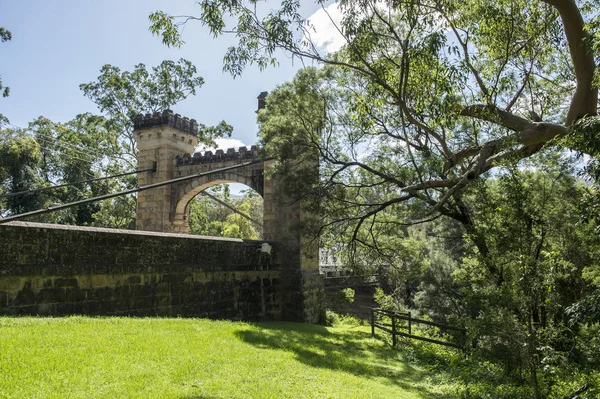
x=339, y=301
x=388, y=302
x=333, y=319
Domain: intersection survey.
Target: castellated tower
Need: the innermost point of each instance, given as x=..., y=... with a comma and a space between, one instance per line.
x=160, y=138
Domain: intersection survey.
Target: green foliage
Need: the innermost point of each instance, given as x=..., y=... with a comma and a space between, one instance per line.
x=122, y=95
x=337, y=305
x=163, y=23
x=208, y=217
x=534, y=233
x=587, y=310
x=5, y=36
x=348, y=294
x=19, y=162
x=331, y=318
x=388, y=302
x=50, y=154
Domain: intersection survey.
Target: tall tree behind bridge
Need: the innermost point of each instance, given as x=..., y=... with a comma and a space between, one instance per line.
x=5, y=36
x=91, y=146
x=122, y=95
x=448, y=89
x=422, y=102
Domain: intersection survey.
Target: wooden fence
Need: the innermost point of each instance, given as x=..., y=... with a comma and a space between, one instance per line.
x=378, y=317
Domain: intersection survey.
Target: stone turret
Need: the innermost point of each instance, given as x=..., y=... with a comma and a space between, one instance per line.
x=160, y=137
x=262, y=100
x=167, y=142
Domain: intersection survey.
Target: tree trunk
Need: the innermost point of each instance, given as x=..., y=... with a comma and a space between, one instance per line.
x=531, y=344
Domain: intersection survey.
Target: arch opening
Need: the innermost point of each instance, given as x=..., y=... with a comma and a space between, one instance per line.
x=226, y=210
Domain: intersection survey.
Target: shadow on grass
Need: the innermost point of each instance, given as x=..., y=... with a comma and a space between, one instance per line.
x=350, y=351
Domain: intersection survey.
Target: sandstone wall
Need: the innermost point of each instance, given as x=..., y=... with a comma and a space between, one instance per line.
x=60, y=270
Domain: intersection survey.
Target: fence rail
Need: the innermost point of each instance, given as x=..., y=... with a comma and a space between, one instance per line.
x=394, y=326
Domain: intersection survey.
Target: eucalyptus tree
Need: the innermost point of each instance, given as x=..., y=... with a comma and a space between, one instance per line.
x=48, y=154
x=441, y=92
x=424, y=101
x=122, y=95
x=19, y=166
x=211, y=218
x=5, y=35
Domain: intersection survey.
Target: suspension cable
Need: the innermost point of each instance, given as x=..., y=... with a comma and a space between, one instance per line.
x=228, y=206
x=125, y=192
x=37, y=190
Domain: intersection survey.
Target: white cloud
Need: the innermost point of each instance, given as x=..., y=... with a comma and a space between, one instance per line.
x=325, y=24
x=323, y=30
x=223, y=144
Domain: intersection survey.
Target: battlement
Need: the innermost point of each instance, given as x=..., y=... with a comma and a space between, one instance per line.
x=166, y=118
x=242, y=154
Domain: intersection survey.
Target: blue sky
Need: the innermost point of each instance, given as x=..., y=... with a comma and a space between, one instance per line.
x=59, y=44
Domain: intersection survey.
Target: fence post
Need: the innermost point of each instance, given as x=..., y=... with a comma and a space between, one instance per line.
x=372, y=322
x=393, y=330
x=409, y=324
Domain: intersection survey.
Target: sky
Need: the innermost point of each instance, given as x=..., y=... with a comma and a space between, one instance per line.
x=59, y=44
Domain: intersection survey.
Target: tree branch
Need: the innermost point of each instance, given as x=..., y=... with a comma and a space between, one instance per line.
x=585, y=99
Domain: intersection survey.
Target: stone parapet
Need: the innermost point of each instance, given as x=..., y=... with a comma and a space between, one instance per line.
x=61, y=270
x=199, y=158
x=166, y=118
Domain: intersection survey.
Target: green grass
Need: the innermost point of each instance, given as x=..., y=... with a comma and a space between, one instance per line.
x=81, y=357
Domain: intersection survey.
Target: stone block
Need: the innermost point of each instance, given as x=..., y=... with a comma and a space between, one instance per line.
x=46, y=309
x=3, y=300
x=10, y=283
x=114, y=280
x=65, y=282
x=84, y=281
x=29, y=310
x=134, y=280
x=50, y=295
x=99, y=280
x=75, y=295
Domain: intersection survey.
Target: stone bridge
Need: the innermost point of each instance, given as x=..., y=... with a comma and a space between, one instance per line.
x=60, y=270
x=167, y=142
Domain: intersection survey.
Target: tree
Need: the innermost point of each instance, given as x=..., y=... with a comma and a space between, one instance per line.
x=5, y=36
x=124, y=95
x=50, y=154
x=19, y=165
x=454, y=88
x=425, y=102
x=208, y=217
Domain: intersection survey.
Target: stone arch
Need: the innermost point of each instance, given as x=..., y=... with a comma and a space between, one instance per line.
x=182, y=193
x=185, y=193
x=167, y=141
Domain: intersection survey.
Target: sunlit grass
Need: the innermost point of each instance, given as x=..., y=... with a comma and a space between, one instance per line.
x=80, y=357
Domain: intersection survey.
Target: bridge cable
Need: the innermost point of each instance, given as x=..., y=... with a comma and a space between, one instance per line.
x=37, y=136
x=131, y=191
x=228, y=206
x=37, y=190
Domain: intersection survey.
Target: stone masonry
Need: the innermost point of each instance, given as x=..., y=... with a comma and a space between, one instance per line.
x=62, y=270
x=167, y=142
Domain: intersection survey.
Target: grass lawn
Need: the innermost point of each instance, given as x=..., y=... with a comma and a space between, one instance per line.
x=81, y=357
